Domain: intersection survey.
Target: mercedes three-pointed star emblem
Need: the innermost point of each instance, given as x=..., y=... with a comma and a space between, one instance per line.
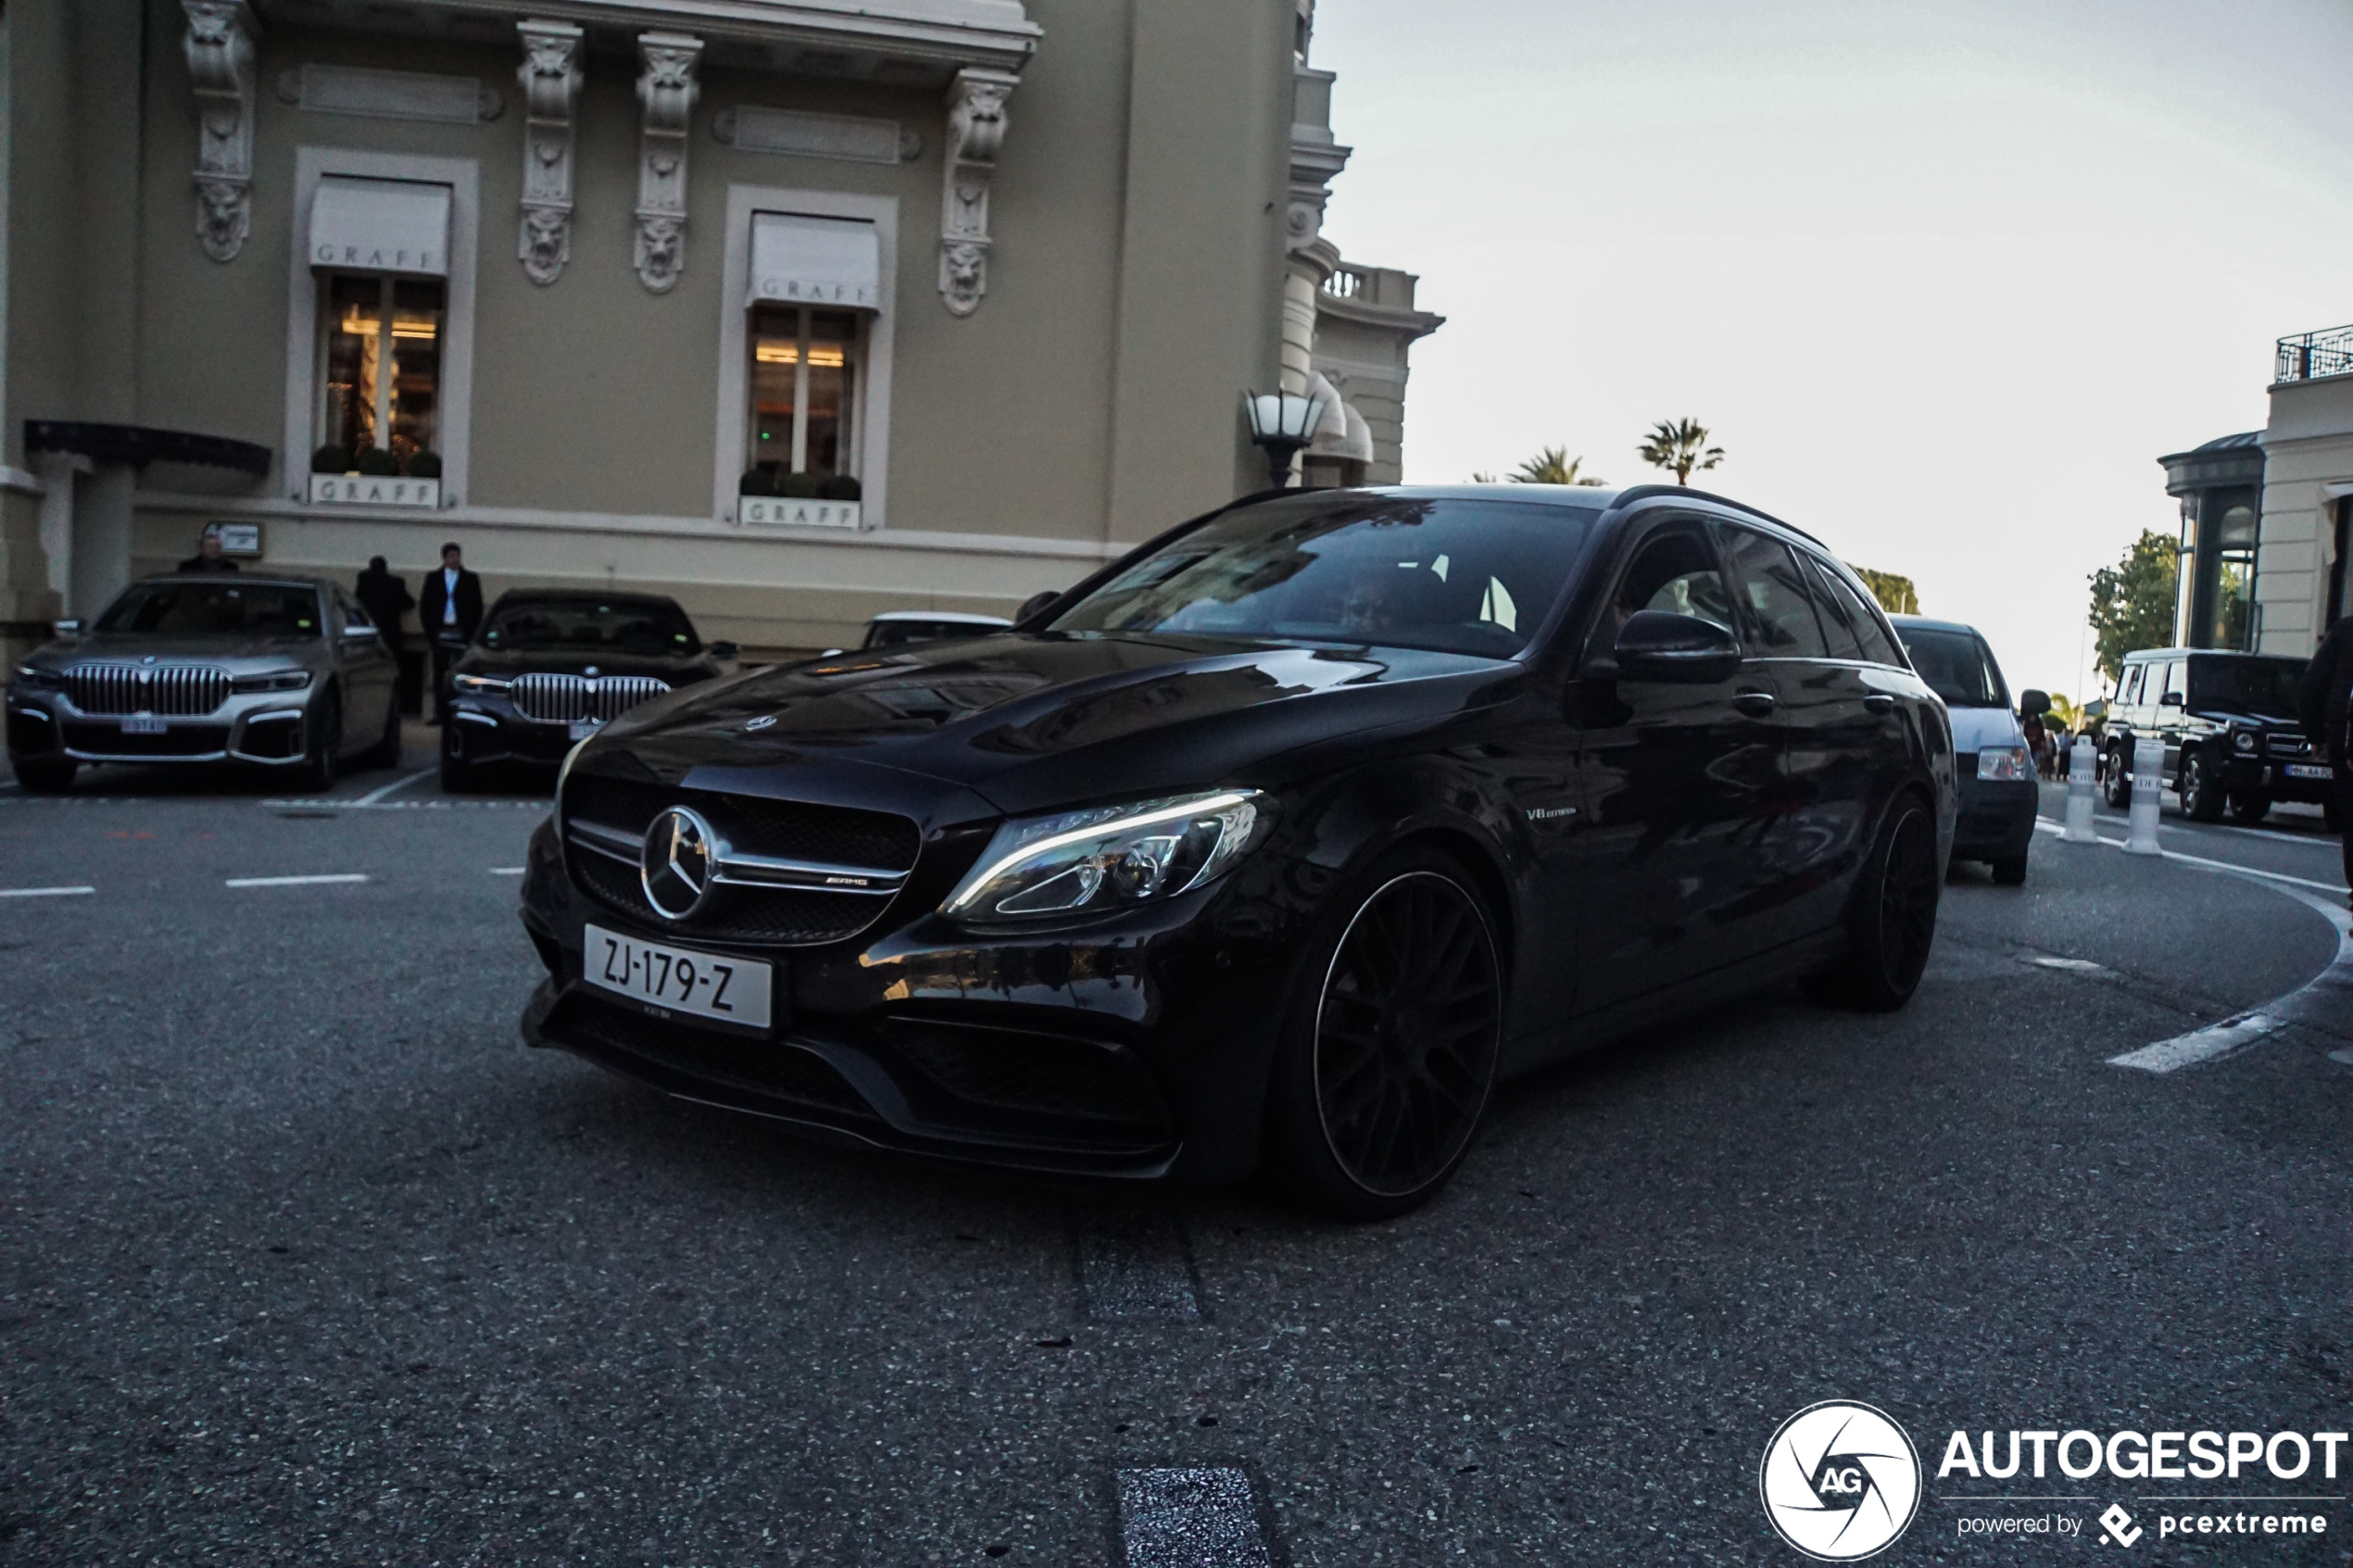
x=677, y=862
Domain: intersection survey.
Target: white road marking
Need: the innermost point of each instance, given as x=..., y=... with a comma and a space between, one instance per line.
x=1190, y=1519
x=1133, y=1267
x=2077, y=966
x=397, y=805
x=375, y=795
x=294, y=880
x=2337, y=888
x=506, y=870
x=2344, y=1056
x=43, y=892
x=2202, y=1044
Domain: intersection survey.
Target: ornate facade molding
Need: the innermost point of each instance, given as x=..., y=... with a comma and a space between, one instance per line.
x=1316, y=157
x=666, y=90
x=750, y=128
x=389, y=95
x=975, y=131
x=220, y=51
x=550, y=77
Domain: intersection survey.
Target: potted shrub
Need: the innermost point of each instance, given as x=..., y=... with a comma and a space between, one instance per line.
x=797, y=486
x=330, y=458
x=838, y=487
x=376, y=463
x=759, y=481
x=424, y=465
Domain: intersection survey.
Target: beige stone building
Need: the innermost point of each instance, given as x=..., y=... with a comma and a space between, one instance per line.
x=795, y=309
x=2307, y=494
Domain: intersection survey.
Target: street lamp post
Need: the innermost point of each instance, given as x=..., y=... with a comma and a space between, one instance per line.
x=1282, y=422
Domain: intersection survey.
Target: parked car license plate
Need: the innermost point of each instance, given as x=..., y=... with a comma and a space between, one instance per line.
x=144, y=725
x=582, y=728
x=2309, y=771
x=707, y=984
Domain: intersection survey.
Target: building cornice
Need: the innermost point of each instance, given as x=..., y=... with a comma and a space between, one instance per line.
x=1421, y=324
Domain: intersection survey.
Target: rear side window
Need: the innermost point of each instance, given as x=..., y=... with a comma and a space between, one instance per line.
x=2177, y=679
x=1871, y=634
x=2129, y=688
x=1780, y=610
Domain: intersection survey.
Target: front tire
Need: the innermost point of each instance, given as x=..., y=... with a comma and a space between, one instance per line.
x=322, y=761
x=1892, y=919
x=2251, y=809
x=385, y=753
x=2010, y=871
x=45, y=775
x=1391, y=1040
x=457, y=774
x=2202, y=793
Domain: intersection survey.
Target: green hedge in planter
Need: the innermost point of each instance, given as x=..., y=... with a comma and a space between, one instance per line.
x=839, y=487
x=376, y=463
x=330, y=458
x=424, y=465
x=757, y=481
x=797, y=486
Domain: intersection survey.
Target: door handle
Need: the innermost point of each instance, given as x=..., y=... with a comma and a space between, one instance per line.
x=1756, y=705
x=1879, y=702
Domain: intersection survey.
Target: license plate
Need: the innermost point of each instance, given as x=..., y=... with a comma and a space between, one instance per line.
x=2309, y=771
x=706, y=985
x=144, y=726
x=582, y=728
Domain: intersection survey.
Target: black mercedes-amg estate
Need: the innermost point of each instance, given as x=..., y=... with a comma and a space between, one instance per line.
x=1280, y=839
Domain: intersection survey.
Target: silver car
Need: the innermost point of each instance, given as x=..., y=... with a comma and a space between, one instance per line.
x=274, y=671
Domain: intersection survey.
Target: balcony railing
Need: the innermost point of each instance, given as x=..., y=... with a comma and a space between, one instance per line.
x=2315, y=355
x=1346, y=282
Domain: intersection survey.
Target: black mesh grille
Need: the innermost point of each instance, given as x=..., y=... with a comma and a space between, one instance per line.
x=1039, y=1073
x=767, y=1068
x=181, y=740
x=791, y=829
x=742, y=914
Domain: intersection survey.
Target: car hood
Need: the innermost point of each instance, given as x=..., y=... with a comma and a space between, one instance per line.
x=123, y=646
x=504, y=662
x=2251, y=721
x=1031, y=721
x=1974, y=729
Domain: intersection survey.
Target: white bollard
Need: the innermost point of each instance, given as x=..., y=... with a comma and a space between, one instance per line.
x=2148, y=761
x=2080, y=769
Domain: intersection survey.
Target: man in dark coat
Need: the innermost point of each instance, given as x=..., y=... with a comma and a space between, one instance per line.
x=2328, y=683
x=448, y=608
x=386, y=598
x=208, y=556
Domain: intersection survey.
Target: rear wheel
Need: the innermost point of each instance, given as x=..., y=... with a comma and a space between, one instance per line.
x=2120, y=778
x=1391, y=1040
x=1892, y=919
x=2202, y=793
x=2010, y=870
x=2250, y=808
x=45, y=775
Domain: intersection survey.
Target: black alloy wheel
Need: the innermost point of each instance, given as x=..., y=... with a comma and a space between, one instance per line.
x=2120, y=778
x=321, y=758
x=1892, y=920
x=1394, y=1044
x=457, y=774
x=2202, y=795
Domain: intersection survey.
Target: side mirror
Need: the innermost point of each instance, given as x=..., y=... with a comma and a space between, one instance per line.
x=2171, y=699
x=69, y=627
x=1033, y=604
x=1656, y=645
x=2033, y=704
x=723, y=650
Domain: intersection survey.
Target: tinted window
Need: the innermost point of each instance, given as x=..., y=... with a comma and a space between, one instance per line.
x=2269, y=686
x=1837, y=626
x=1460, y=576
x=1957, y=666
x=1874, y=640
x=215, y=609
x=644, y=626
x=1675, y=571
x=1781, y=619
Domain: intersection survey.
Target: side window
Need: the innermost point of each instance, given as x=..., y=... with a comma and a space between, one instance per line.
x=1871, y=632
x=1674, y=569
x=2177, y=679
x=1837, y=617
x=352, y=614
x=2128, y=691
x=1781, y=619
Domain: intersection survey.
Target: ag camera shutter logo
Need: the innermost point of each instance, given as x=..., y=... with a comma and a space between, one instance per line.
x=1839, y=1481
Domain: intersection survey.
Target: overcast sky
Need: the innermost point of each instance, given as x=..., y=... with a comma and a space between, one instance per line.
x=1943, y=278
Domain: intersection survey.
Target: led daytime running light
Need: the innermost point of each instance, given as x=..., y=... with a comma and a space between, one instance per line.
x=1182, y=810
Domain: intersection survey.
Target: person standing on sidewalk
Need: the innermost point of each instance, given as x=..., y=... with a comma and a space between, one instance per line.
x=448, y=608
x=2328, y=686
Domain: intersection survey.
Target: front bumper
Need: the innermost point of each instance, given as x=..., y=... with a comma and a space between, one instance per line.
x=484, y=729
x=264, y=729
x=2251, y=774
x=1136, y=1047
x=1996, y=818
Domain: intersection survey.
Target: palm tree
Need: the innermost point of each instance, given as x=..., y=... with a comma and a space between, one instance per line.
x=1552, y=466
x=1680, y=445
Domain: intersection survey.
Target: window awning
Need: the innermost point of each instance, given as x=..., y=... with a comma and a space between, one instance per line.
x=381, y=225
x=798, y=260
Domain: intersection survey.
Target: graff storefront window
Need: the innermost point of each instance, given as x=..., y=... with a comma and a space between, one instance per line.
x=380, y=338
x=804, y=371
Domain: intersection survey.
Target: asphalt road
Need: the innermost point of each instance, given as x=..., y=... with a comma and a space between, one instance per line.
x=305, y=1259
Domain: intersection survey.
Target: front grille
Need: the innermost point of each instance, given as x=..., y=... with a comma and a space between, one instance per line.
x=753, y=825
x=1044, y=1075
x=181, y=740
x=185, y=689
x=780, y=915
x=771, y=1068
x=559, y=699
x=2287, y=745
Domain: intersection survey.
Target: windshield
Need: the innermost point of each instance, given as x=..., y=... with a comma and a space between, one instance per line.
x=1458, y=576
x=211, y=607
x=585, y=626
x=2270, y=687
x=1957, y=666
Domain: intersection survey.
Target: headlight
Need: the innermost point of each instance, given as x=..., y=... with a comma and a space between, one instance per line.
x=479, y=683
x=2004, y=762
x=2243, y=741
x=1106, y=858
x=45, y=679
x=280, y=680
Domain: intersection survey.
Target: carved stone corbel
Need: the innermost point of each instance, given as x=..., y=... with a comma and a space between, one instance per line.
x=976, y=130
x=667, y=90
x=220, y=51
x=550, y=77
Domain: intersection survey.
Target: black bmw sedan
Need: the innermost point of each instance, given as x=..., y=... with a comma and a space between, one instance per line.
x=549, y=667
x=1283, y=838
